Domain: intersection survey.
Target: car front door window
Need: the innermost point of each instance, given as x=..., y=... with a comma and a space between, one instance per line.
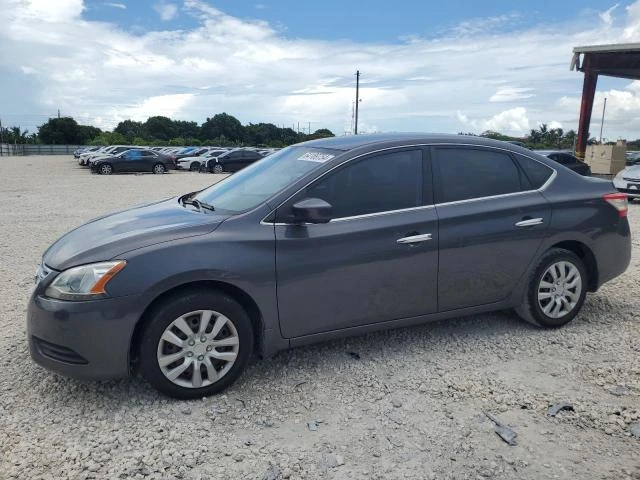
x=385, y=182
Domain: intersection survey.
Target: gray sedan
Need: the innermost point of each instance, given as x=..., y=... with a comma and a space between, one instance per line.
x=320, y=240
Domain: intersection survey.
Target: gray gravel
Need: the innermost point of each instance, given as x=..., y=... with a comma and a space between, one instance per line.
x=409, y=405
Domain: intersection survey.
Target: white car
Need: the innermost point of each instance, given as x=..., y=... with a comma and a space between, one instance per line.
x=194, y=163
x=628, y=181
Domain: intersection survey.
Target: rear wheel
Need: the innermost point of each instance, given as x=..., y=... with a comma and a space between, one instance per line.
x=105, y=169
x=196, y=344
x=556, y=290
x=195, y=166
x=159, y=168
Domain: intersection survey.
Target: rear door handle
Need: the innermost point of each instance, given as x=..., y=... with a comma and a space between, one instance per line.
x=530, y=222
x=415, y=238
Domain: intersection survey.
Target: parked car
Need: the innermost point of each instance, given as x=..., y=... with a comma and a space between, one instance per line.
x=232, y=161
x=87, y=159
x=196, y=152
x=133, y=160
x=568, y=160
x=628, y=181
x=633, y=157
x=324, y=239
x=79, y=151
x=194, y=163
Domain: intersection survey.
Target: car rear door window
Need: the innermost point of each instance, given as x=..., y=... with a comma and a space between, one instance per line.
x=380, y=183
x=467, y=173
x=536, y=172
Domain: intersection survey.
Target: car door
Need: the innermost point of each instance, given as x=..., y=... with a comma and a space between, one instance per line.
x=131, y=161
x=147, y=160
x=375, y=261
x=233, y=161
x=491, y=222
x=120, y=162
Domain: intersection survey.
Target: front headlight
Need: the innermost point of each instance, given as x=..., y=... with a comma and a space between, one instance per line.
x=85, y=282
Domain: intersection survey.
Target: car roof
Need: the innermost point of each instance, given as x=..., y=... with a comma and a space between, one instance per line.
x=351, y=142
x=551, y=152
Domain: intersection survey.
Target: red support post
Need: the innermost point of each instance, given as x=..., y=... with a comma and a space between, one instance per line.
x=586, y=106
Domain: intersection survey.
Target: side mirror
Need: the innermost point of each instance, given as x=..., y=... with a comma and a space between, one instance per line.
x=312, y=210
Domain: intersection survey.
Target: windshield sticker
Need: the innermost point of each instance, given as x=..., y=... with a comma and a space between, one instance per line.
x=316, y=157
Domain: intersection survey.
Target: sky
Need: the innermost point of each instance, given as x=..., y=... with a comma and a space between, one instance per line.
x=457, y=66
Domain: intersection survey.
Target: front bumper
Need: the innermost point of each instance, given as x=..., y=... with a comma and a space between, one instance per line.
x=623, y=186
x=88, y=340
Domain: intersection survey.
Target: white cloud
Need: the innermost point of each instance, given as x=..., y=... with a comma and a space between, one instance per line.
x=167, y=11
x=509, y=94
x=482, y=25
x=513, y=121
x=121, y=6
x=260, y=6
x=607, y=15
x=474, y=77
x=51, y=11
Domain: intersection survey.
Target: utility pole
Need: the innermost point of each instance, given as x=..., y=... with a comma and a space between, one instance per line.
x=58, y=113
x=309, y=128
x=602, y=123
x=355, y=129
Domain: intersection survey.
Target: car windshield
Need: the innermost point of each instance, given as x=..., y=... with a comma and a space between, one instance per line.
x=255, y=184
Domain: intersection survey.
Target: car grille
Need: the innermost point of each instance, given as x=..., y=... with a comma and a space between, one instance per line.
x=629, y=179
x=58, y=352
x=629, y=191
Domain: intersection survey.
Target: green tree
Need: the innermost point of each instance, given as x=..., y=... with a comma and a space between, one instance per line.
x=61, y=131
x=186, y=129
x=109, y=138
x=130, y=129
x=159, y=128
x=223, y=124
x=89, y=133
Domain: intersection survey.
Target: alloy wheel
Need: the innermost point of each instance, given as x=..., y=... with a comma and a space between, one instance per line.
x=158, y=168
x=105, y=169
x=217, y=168
x=198, y=349
x=559, y=289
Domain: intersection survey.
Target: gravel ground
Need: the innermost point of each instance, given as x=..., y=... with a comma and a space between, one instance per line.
x=405, y=404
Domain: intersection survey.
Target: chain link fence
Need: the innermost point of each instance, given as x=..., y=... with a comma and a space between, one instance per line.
x=10, y=149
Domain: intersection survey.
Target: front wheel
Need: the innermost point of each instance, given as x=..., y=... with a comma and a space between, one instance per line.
x=159, y=168
x=105, y=169
x=217, y=168
x=556, y=290
x=196, y=344
x=194, y=166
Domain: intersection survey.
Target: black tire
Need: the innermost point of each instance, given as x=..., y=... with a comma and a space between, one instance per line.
x=159, y=169
x=174, y=307
x=194, y=166
x=217, y=168
x=531, y=309
x=105, y=169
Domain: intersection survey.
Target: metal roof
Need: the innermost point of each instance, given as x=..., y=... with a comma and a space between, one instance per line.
x=610, y=48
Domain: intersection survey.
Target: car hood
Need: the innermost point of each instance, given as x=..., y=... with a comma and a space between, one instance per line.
x=188, y=159
x=109, y=236
x=631, y=172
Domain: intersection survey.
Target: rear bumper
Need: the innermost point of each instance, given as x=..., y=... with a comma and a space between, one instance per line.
x=613, y=252
x=88, y=340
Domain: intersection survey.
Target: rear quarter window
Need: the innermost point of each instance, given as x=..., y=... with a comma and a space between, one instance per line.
x=536, y=172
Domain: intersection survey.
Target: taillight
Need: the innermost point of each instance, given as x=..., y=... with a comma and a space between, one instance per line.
x=619, y=202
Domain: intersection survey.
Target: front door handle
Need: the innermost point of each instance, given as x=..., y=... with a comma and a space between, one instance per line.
x=415, y=239
x=530, y=222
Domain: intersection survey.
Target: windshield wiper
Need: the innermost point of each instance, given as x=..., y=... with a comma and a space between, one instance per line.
x=198, y=204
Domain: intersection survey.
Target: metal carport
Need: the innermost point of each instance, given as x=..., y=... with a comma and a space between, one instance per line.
x=621, y=61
